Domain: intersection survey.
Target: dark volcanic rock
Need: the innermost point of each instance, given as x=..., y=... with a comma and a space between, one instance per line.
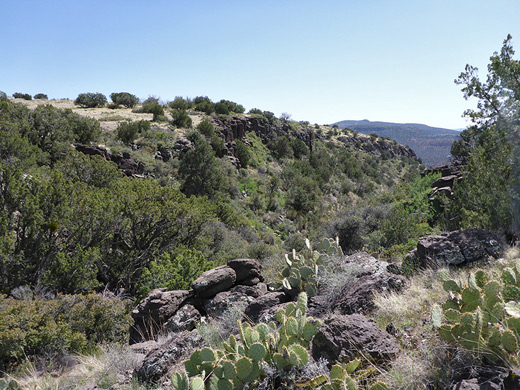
x=168, y=356
x=125, y=162
x=357, y=295
x=216, y=280
x=459, y=247
x=343, y=337
x=489, y=378
x=185, y=319
x=215, y=307
x=153, y=311
x=246, y=269
x=255, y=310
x=254, y=291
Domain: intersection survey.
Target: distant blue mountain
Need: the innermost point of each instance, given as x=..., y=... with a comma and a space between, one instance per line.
x=431, y=144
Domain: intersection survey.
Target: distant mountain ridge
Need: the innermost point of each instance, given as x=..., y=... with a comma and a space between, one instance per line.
x=431, y=144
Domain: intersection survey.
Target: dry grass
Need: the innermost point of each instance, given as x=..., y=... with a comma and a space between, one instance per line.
x=413, y=304
x=111, y=368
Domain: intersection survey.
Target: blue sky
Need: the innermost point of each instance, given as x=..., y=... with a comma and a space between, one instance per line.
x=321, y=61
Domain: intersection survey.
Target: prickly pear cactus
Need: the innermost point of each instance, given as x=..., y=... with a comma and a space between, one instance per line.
x=483, y=314
x=341, y=378
x=303, y=268
x=283, y=345
x=9, y=384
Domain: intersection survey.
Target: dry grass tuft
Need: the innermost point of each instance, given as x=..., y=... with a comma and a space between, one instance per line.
x=112, y=367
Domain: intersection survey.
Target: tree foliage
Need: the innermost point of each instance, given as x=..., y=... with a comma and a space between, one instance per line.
x=91, y=100
x=488, y=196
x=124, y=99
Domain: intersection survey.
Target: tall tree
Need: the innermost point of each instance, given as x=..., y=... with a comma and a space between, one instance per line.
x=489, y=194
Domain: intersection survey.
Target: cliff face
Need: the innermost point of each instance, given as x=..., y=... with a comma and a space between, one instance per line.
x=236, y=128
x=379, y=146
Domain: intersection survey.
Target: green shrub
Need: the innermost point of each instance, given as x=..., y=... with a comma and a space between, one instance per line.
x=226, y=106
x=218, y=145
x=158, y=112
x=181, y=119
x=41, y=96
x=128, y=131
x=221, y=108
x=205, y=106
x=256, y=111
x=280, y=147
x=243, y=154
x=201, y=99
x=148, y=104
x=124, y=99
x=90, y=100
x=206, y=128
x=299, y=148
x=174, y=270
x=67, y=324
x=19, y=95
x=179, y=103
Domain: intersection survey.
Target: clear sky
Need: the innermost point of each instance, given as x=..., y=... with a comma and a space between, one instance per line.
x=321, y=61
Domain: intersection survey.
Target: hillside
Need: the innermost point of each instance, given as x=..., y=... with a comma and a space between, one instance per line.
x=431, y=144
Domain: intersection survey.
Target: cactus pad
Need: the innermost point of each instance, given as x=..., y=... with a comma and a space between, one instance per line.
x=244, y=366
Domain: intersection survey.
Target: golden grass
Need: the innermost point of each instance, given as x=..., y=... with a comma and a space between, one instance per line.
x=112, y=366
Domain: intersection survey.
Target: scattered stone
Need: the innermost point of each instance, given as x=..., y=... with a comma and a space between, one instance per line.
x=255, y=291
x=255, y=310
x=223, y=301
x=185, y=319
x=154, y=311
x=357, y=295
x=216, y=280
x=168, y=357
x=343, y=337
x=460, y=247
x=125, y=162
x=489, y=378
x=246, y=269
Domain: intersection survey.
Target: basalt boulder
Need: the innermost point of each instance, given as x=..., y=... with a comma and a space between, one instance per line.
x=343, y=337
x=216, y=280
x=460, y=247
x=154, y=311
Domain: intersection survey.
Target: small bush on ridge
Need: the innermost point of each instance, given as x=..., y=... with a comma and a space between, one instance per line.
x=90, y=100
x=125, y=99
x=19, y=95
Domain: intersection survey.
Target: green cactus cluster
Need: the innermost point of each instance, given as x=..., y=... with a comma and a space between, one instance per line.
x=282, y=345
x=340, y=378
x=9, y=384
x=303, y=268
x=483, y=315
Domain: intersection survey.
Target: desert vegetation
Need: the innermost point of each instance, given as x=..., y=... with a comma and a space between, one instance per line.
x=93, y=219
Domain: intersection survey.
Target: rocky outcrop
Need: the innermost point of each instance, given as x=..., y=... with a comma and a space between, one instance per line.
x=460, y=247
x=168, y=357
x=184, y=319
x=246, y=269
x=262, y=305
x=125, y=162
x=154, y=311
x=490, y=378
x=214, y=281
x=381, y=146
x=343, y=337
x=443, y=187
x=369, y=276
x=237, y=284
